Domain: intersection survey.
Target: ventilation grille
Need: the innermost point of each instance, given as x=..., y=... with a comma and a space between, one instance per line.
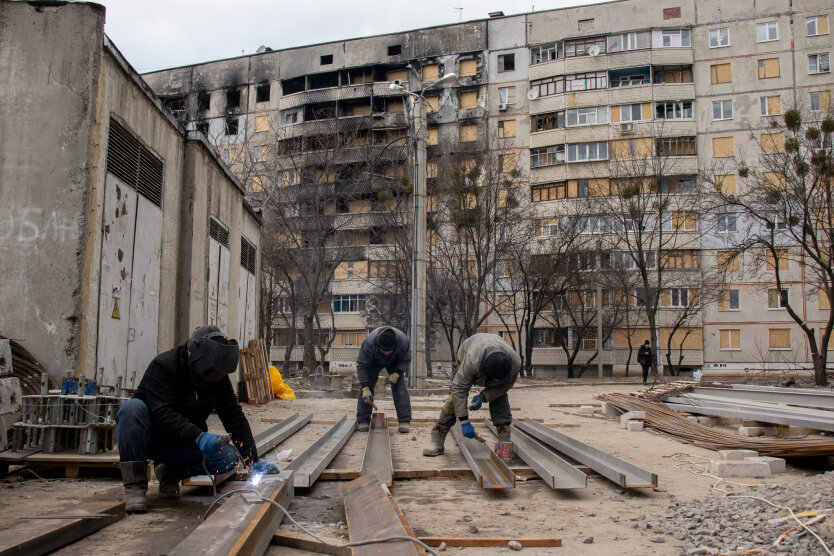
x=219, y=232
x=135, y=165
x=248, y=254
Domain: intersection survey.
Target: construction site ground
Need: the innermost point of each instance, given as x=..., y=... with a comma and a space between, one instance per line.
x=613, y=517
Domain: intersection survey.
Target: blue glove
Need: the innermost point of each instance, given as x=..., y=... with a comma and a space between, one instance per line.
x=211, y=443
x=467, y=429
x=265, y=467
x=477, y=402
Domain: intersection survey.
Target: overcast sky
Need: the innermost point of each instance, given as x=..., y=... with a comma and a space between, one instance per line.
x=157, y=34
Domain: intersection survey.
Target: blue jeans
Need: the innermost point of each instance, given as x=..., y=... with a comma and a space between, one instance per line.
x=138, y=441
x=401, y=400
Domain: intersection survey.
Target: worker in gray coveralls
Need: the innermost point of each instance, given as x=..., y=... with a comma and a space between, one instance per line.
x=384, y=348
x=482, y=360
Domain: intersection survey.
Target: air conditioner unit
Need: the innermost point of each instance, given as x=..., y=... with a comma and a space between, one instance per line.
x=627, y=128
x=502, y=106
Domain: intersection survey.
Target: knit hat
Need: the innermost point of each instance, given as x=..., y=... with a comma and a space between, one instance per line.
x=497, y=365
x=386, y=339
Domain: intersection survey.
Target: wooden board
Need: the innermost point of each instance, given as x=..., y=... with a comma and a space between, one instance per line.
x=41, y=536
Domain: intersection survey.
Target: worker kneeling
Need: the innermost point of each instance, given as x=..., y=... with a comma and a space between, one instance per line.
x=482, y=360
x=166, y=419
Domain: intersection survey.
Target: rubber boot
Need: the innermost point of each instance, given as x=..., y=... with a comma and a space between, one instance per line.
x=436, y=446
x=503, y=433
x=363, y=427
x=135, y=480
x=169, y=480
x=404, y=427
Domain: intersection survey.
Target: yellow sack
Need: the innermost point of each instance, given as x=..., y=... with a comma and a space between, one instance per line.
x=280, y=388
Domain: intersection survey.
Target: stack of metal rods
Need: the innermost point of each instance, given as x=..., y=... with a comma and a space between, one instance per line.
x=674, y=423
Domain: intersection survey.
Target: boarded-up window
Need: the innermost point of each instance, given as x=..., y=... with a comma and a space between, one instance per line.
x=468, y=133
x=729, y=338
x=780, y=338
x=679, y=258
x=548, y=192
x=722, y=146
x=433, y=102
x=773, y=180
x=782, y=258
x=686, y=221
x=823, y=301
x=726, y=184
x=261, y=123
x=469, y=99
x=632, y=148
x=360, y=110
x=258, y=184
x=431, y=167
x=671, y=13
x=468, y=67
x=506, y=303
x=769, y=67
x=506, y=128
x=233, y=155
x=431, y=139
x=599, y=187
x=728, y=300
x=771, y=105
x=720, y=73
x=821, y=100
x=726, y=261
x=394, y=106
x=430, y=72
x=508, y=162
x=397, y=75
x=773, y=143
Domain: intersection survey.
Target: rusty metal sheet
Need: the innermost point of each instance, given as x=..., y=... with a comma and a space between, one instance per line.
x=489, y=470
x=377, y=458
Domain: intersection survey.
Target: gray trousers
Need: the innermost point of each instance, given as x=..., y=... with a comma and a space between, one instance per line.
x=499, y=414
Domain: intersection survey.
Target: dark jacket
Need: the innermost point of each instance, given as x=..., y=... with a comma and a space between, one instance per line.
x=370, y=360
x=644, y=355
x=179, y=409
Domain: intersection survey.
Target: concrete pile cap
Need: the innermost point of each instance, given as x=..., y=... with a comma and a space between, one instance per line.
x=586, y=410
x=740, y=468
x=634, y=425
x=737, y=454
x=777, y=465
x=631, y=416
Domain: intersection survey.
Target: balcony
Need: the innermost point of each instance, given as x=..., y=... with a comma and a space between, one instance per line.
x=632, y=94
x=581, y=64
x=332, y=94
x=547, y=69
x=629, y=59
x=672, y=56
x=546, y=138
x=384, y=120
x=546, y=174
x=550, y=103
x=586, y=134
x=674, y=91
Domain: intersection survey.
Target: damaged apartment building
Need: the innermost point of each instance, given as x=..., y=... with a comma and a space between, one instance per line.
x=562, y=94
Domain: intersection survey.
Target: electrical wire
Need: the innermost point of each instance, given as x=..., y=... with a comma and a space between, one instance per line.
x=304, y=529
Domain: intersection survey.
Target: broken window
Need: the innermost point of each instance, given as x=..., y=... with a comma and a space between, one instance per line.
x=174, y=103
x=295, y=85
x=506, y=62
x=231, y=126
x=203, y=101
x=262, y=93
x=675, y=146
x=550, y=120
x=327, y=59
x=395, y=50
x=203, y=127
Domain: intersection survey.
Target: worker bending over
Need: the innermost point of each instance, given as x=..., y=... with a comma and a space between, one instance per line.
x=482, y=360
x=166, y=419
x=384, y=348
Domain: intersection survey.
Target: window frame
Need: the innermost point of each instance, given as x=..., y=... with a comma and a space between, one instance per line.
x=718, y=43
x=670, y=33
x=551, y=48
x=729, y=339
x=502, y=62
x=590, y=80
x=680, y=295
x=585, y=112
x=780, y=306
x=764, y=105
x=766, y=26
x=722, y=104
x=818, y=56
x=815, y=19
x=587, y=148
x=550, y=152
x=728, y=227
x=555, y=83
x=631, y=117
x=555, y=117
x=678, y=106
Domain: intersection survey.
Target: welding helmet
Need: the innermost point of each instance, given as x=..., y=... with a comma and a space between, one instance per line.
x=386, y=340
x=212, y=356
x=497, y=365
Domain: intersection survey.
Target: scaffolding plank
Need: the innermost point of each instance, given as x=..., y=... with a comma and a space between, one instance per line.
x=41, y=536
x=371, y=513
x=556, y=472
x=308, y=466
x=377, y=458
x=624, y=473
x=489, y=470
x=238, y=527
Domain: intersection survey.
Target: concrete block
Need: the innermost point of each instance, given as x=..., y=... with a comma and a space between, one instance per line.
x=5, y=358
x=708, y=420
x=739, y=468
x=758, y=431
x=737, y=454
x=777, y=465
x=610, y=410
x=11, y=395
x=691, y=418
x=631, y=416
x=634, y=425
x=586, y=410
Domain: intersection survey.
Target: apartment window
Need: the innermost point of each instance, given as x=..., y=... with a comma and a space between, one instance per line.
x=395, y=50
x=584, y=152
x=675, y=146
x=289, y=117
x=231, y=126
x=468, y=99
x=203, y=101
x=547, y=228
x=507, y=162
x=630, y=80
x=728, y=300
x=679, y=258
x=679, y=297
x=777, y=298
x=780, y=338
x=259, y=153
x=546, y=53
x=506, y=95
x=261, y=123
x=631, y=112
x=506, y=62
x=820, y=100
x=729, y=339
x=726, y=223
x=780, y=260
x=326, y=60
x=726, y=261
x=768, y=68
x=506, y=129
x=584, y=46
x=675, y=38
x=679, y=186
x=684, y=221
x=673, y=74
x=720, y=73
x=723, y=147
x=772, y=143
x=545, y=122
x=547, y=156
x=546, y=87
x=719, y=37
x=631, y=148
x=771, y=106
x=468, y=67
x=203, y=127
x=587, y=116
x=818, y=63
x=674, y=110
x=722, y=110
x=817, y=25
x=548, y=192
x=629, y=41
x=468, y=133
x=262, y=92
x=258, y=184
x=586, y=81
x=767, y=32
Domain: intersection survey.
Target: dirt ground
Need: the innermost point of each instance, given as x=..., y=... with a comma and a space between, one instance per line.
x=433, y=507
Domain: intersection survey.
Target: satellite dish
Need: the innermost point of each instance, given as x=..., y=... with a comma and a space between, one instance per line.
x=593, y=50
x=533, y=94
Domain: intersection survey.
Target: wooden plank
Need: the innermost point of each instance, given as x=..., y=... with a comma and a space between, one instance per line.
x=238, y=527
x=41, y=536
x=302, y=542
x=492, y=541
x=11, y=456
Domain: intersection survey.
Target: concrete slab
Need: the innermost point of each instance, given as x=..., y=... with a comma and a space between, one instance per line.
x=737, y=454
x=586, y=410
x=610, y=410
x=634, y=425
x=777, y=465
x=739, y=468
x=631, y=416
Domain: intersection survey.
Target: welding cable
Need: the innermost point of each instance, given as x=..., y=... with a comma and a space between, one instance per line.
x=297, y=524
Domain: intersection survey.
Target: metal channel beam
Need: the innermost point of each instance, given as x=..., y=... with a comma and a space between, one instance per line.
x=489, y=470
x=808, y=412
x=377, y=459
x=556, y=472
x=624, y=473
x=820, y=400
x=308, y=466
x=741, y=412
x=371, y=513
x=238, y=527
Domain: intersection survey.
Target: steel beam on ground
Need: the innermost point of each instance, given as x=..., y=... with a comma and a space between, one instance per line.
x=819, y=400
x=308, y=466
x=556, y=472
x=489, y=470
x=377, y=458
x=44, y=535
x=622, y=472
x=806, y=412
x=779, y=417
x=371, y=513
x=239, y=527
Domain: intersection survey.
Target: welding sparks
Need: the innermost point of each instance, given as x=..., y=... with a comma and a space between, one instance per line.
x=256, y=478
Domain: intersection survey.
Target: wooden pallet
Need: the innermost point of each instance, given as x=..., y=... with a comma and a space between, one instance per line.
x=256, y=373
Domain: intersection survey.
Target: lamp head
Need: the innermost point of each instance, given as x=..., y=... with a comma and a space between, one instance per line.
x=395, y=86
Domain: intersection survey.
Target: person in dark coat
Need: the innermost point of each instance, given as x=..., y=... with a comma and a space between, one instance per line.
x=385, y=348
x=165, y=421
x=644, y=357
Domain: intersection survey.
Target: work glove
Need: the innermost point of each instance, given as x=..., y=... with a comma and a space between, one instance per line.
x=210, y=443
x=265, y=467
x=367, y=396
x=467, y=429
x=477, y=402
x=394, y=377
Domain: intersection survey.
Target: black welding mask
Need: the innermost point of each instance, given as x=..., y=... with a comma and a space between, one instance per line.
x=212, y=356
